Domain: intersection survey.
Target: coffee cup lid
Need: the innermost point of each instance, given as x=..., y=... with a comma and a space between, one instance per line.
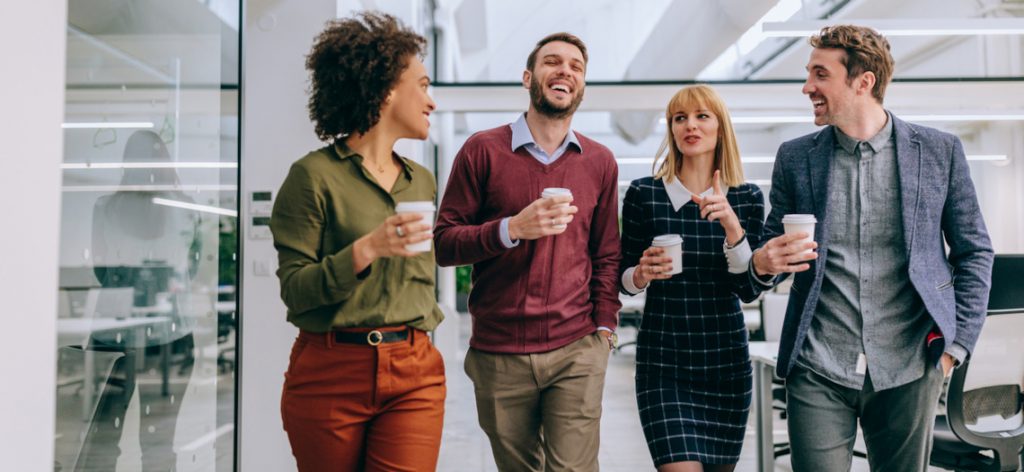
x=667, y=240
x=552, y=191
x=799, y=218
x=424, y=205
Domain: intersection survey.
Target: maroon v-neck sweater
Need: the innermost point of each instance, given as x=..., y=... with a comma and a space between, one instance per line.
x=543, y=294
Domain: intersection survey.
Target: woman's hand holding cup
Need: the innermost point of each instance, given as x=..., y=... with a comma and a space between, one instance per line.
x=390, y=238
x=655, y=264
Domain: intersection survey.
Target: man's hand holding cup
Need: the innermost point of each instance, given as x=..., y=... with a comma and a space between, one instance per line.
x=791, y=252
x=546, y=216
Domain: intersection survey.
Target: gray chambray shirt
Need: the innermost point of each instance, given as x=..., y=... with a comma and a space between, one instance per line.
x=867, y=302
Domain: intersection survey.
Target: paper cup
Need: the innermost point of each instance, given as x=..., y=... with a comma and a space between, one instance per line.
x=796, y=223
x=425, y=208
x=673, y=244
x=553, y=191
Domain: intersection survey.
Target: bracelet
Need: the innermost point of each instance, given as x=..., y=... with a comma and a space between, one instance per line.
x=742, y=238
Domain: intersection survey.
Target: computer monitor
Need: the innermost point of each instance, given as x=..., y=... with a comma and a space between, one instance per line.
x=147, y=280
x=1007, y=283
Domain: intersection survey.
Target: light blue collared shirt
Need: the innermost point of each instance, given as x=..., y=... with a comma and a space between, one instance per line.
x=521, y=136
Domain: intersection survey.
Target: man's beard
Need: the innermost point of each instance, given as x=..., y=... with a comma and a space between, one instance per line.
x=546, y=108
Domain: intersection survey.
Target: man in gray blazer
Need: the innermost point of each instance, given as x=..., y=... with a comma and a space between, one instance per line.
x=880, y=313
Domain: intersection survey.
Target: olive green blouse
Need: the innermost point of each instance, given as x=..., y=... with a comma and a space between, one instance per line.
x=327, y=202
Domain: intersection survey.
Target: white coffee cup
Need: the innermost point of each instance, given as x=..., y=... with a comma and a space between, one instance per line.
x=796, y=223
x=553, y=191
x=425, y=208
x=673, y=244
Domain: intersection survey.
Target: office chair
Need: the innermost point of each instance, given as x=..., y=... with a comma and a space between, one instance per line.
x=983, y=429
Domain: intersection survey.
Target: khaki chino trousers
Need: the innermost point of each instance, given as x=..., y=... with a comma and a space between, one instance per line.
x=542, y=412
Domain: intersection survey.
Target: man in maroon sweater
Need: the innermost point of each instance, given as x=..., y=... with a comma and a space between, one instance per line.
x=544, y=299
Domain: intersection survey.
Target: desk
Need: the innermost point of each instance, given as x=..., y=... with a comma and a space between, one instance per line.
x=78, y=331
x=763, y=356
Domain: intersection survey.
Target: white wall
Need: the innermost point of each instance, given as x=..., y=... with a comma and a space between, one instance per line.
x=33, y=101
x=276, y=131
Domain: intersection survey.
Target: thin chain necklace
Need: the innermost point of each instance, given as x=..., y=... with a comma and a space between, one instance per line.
x=380, y=166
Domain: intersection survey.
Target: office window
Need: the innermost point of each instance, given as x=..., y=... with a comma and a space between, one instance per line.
x=148, y=253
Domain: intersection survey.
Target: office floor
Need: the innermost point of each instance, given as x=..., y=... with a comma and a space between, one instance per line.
x=464, y=447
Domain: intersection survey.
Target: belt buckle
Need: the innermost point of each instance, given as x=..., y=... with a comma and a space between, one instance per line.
x=374, y=337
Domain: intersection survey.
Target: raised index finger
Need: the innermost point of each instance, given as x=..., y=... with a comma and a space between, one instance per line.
x=717, y=184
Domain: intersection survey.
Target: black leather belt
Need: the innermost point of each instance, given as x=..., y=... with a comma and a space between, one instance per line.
x=371, y=338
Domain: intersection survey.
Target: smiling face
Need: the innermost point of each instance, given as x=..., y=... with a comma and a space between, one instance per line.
x=834, y=96
x=557, y=80
x=409, y=105
x=695, y=130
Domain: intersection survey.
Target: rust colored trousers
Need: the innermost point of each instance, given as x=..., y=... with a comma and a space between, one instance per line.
x=357, y=407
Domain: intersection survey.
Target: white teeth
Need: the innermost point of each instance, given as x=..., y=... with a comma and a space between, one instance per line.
x=560, y=88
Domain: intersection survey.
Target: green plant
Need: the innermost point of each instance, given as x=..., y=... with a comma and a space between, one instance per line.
x=463, y=278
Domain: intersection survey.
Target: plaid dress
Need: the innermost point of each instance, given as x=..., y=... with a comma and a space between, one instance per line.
x=693, y=372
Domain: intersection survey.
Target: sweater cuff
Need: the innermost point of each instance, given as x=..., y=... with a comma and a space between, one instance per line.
x=506, y=240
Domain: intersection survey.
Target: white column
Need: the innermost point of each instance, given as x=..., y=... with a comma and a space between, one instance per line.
x=32, y=43
x=276, y=131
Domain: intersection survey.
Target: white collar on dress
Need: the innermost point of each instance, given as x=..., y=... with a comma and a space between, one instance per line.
x=679, y=194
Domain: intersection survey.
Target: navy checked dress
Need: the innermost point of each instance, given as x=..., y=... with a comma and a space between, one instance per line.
x=693, y=372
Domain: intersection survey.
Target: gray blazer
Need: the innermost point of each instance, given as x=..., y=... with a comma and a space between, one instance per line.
x=938, y=203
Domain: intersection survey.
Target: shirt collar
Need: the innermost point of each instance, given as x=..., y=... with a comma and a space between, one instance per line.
x=522, y=136
x=876, y=142
x=679, y=194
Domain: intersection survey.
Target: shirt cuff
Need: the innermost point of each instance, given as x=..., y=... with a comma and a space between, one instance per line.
x=602, y=328
x=958, y=352
x=505, y=238
x=767, y=283
x=627, y=282
x=738, y=256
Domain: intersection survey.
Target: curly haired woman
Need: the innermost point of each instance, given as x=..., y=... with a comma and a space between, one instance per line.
x=365, y=388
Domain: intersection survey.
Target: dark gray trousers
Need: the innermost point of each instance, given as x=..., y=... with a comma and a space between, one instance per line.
x=897, y=422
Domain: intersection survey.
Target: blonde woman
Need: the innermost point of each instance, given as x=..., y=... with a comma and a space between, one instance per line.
x=693, y=374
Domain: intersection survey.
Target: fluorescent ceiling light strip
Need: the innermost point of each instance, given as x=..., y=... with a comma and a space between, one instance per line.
x=149, y=188
x=783, y=119
x=635, y=160
x=771, y=159
x=648, y=161
x=978, y=117
x=905, y=27
x=108, y=125
x=988, y=157
x=149, y=165
x=196, y=207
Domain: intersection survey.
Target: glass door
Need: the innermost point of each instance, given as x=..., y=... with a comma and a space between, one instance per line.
x=148, y=252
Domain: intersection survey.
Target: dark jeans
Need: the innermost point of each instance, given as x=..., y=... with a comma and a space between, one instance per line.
x=157, y=413
x=897, y=422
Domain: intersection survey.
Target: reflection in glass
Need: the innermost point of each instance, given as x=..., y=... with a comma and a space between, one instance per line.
x=146, y=306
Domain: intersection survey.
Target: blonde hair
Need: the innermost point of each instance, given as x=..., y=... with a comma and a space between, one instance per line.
x=727, y=152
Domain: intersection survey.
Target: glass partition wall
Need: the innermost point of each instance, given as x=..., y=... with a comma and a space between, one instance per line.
x=146, y=295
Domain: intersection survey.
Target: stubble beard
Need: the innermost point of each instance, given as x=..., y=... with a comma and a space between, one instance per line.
x=551, y=110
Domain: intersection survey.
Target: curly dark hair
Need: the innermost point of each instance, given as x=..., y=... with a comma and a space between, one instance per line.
x=354, y=64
